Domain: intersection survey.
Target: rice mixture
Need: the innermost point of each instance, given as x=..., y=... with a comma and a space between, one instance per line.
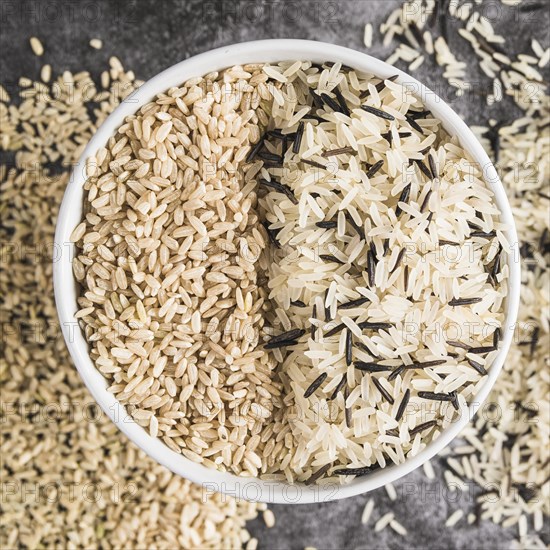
x=290, y=271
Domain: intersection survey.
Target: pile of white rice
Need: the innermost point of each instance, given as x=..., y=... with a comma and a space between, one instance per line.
x=375, y=235
x=505, y=451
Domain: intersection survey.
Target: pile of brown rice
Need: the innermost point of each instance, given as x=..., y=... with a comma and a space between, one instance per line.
x=68, y=478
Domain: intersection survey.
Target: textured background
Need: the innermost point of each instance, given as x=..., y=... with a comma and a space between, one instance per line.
x=150, y=35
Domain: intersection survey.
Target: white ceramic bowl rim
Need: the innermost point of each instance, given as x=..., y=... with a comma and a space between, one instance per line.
x=66, y=290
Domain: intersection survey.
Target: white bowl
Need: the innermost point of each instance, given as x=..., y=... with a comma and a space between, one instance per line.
x=66, y=289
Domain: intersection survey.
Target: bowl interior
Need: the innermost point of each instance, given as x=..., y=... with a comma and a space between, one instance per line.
x=66, y=289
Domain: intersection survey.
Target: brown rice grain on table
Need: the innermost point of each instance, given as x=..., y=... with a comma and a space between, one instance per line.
x=53, y=435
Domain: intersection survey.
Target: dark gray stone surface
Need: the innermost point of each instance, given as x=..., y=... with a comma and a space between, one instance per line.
x=150, y=35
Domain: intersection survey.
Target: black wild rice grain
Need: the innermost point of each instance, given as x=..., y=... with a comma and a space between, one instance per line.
x=495, y=270
x=318, y=474
x=483, y=234
x=405, y=134
x=347, y=410
x=339, y=386
x=417, y=115
x=435, y=396
x=370, y=367
x=327, y=309
x=293, y=334
x=336, y=152
x=314, y=164
x=331, y=258
x=283, y=344
x=335, y=330
x=280, y=188
x=371, y=267
x=331, y=103
x=353, y=303
x=377, y=112
x=433, y=166
x=443, y=242
x=457, y=344
x=425, y=201
x=272, y=234
x=313, y=328
x=534, y=341
x=273, y=184
x=349, y=347
x=284, y=145
x=297, y=303
x=354, y=471
x=464, y=301
x=479, y=350
x=426, y=364
x=413, y=124
x=374, y=326
x=422, y=427
x=341, y=101
x=398, y=260
x=383, y=391
x=496, y=337
x=255, y=150
x=315, y=384
x=396, y=372
x=477, y=366
x=275, y=160
x=298, y=140
x=360, y=231
x=317, y=100
x=404, y=197
x=373, y=170
x=403, y=404
x=276, y=134
x=372, y=248
x=327, y=225
x=423, y=168
x=388, y=136
x=454, y=400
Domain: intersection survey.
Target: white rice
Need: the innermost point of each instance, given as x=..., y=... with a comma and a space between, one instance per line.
x=454, y=518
